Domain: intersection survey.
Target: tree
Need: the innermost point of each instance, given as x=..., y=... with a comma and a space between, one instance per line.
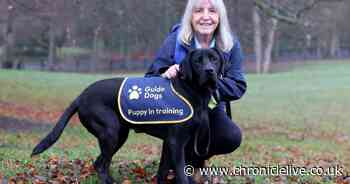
x=291, y=12
x=8, y=35
x=41, y=26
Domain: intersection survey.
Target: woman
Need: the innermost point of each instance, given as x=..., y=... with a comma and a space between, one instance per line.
x=205, y=25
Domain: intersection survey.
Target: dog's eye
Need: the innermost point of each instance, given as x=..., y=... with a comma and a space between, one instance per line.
x=213, y=59
x=199, y=59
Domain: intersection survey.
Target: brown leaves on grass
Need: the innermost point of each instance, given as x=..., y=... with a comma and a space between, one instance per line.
x=147, y=149
x=1, y=178
x=295, y=156
x=30, y=113
x=54, y=170
x=60, y=170
x=343, y=180
x=142, y=171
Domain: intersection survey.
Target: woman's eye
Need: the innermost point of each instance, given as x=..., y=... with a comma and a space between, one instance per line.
x=198, y=10
x=212, y=10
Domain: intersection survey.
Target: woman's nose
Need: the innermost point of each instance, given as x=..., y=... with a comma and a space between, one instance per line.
x=205, y=14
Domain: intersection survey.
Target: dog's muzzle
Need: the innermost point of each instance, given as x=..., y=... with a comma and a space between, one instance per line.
x=210, y=78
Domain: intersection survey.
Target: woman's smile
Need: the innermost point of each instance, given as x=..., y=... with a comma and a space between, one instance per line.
x=205, y=18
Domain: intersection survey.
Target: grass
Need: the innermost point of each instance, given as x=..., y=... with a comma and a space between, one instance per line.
x=300, y=115
x=317, y=94
x=73, y=51
x=52, y=90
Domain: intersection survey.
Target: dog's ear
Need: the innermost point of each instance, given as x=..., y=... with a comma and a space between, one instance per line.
x=186, y=66
x=222, y=61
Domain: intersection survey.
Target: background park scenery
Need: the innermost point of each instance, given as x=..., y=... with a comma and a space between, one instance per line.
x=295, y=112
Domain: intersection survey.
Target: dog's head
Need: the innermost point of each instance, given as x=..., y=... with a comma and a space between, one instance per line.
x=203, y=67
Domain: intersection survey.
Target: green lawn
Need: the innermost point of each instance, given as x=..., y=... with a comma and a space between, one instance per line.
x=315, y=94
x=300, y=117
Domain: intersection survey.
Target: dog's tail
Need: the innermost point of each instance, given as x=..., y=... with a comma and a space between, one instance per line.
x=56, y=132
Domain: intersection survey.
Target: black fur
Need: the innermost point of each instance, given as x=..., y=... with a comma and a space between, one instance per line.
x=97, y=112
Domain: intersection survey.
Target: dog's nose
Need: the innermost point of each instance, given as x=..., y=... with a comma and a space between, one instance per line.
x=210, y=71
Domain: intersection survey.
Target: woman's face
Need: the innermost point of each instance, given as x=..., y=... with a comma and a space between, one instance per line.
x=205, y=18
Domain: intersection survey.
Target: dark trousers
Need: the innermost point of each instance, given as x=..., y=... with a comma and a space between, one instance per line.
x=225, y=137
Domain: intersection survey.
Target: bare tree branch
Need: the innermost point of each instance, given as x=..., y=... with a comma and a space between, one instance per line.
x=313, y=4
x=276, y=12
x=287, y=15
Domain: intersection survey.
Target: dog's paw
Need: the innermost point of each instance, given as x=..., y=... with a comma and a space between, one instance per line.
x=134, y=93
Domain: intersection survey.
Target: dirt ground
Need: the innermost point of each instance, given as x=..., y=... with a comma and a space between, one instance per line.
x=15, y=125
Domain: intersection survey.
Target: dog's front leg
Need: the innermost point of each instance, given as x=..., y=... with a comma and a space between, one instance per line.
x=164, y=164
x=176, y=146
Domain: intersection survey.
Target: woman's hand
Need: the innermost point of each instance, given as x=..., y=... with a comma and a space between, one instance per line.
x=171, y=72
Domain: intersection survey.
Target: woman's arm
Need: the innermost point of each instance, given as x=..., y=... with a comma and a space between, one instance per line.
x=164, y=58
x=233, y=85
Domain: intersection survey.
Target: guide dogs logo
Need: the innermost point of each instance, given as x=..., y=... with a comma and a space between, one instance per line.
x=134, y=92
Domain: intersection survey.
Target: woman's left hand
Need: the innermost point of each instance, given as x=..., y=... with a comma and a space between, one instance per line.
x=171, y=72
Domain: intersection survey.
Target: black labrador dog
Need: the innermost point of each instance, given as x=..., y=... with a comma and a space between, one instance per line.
x=196, y=81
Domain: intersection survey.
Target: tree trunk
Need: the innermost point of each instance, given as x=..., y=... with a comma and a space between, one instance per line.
x=319, y=49
x=270, y=43
x=52, y=48
x=334, y=47
x=96, y=50
x=6, y=60
x=257, y=39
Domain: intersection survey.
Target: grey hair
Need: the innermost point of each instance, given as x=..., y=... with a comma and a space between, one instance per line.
x=223, y=35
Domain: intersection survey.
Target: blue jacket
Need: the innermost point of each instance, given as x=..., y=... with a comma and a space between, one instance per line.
x=233, y=84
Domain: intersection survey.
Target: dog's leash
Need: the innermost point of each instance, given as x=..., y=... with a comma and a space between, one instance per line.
x=228, y=109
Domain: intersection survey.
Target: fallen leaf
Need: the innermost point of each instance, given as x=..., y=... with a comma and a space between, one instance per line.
x=139, y=172
x=12, y=180
x=127, y=181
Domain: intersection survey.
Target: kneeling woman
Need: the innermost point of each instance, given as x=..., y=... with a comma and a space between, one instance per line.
x=205, y=25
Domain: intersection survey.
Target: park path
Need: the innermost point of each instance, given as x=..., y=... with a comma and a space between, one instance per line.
x=26, y=114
